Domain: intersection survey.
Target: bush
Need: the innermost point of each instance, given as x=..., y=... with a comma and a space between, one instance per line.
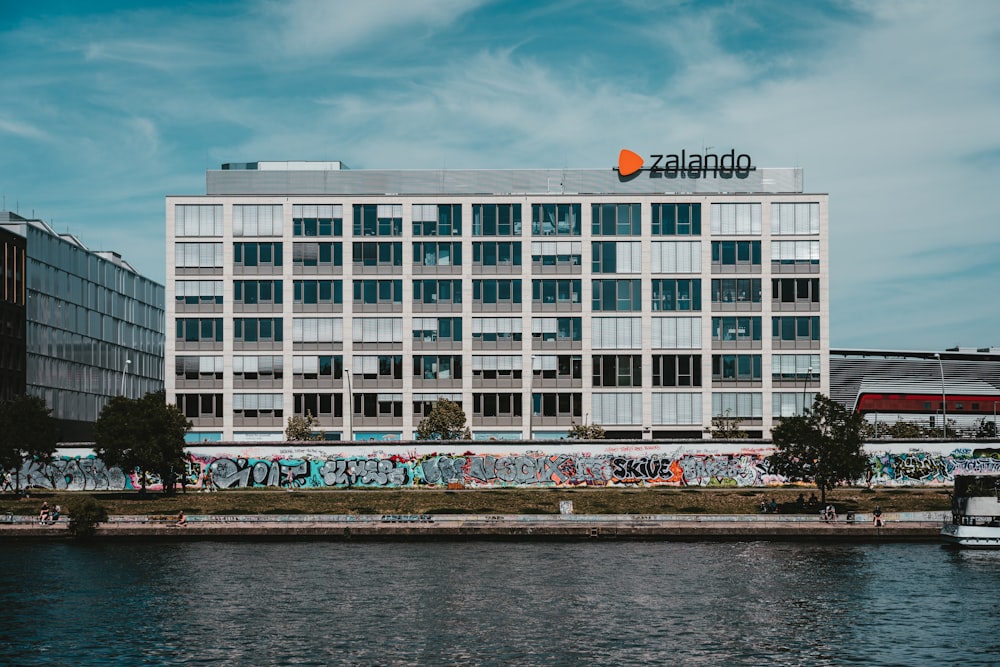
x=84, y=515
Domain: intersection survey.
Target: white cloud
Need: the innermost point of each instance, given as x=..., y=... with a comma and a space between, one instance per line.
x=23, y=130
x=889, y=106
x=311, y=27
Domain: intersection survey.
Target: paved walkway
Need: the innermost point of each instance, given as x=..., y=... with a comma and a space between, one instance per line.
x=908, y=527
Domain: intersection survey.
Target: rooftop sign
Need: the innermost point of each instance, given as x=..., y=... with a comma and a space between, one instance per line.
x=631, y=163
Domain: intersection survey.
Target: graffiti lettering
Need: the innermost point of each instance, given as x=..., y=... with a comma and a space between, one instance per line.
x=613, y=464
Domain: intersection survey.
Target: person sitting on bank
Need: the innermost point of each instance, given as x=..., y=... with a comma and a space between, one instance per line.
x=181, y=519
x=877, y=517
x=830, y=513
x=55, y=514
x=43, y=514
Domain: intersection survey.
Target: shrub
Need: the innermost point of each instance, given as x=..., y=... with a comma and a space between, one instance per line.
x=84, y=515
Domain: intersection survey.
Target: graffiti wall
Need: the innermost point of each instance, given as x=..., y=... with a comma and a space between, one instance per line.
x=701, y=464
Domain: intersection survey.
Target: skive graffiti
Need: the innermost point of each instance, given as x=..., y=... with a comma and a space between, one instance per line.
x=590, y=465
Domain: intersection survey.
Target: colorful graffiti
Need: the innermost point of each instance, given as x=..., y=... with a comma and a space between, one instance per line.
x=401, y=469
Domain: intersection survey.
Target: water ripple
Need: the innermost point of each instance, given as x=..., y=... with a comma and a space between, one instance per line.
x=480, y=603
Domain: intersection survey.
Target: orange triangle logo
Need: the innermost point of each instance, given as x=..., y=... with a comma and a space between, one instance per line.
x=628, y=162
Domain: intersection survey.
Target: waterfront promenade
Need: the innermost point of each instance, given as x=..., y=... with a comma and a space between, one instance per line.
x=899, y=527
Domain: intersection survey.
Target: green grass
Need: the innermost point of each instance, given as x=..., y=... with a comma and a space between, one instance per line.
x=586, y=500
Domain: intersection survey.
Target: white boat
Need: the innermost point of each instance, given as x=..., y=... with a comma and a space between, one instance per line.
x=975, y=511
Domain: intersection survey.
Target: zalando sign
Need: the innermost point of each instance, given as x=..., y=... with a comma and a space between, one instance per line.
x=630, y=163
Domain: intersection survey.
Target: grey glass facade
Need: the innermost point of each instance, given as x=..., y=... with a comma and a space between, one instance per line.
x=93, y=326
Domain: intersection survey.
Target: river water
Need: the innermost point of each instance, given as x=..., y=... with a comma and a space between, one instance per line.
x=493, y=603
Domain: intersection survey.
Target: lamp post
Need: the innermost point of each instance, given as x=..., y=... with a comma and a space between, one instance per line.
x=128, y=362
x=531, y=401
x=805, y=381
x=944, y=397
x=350, y=404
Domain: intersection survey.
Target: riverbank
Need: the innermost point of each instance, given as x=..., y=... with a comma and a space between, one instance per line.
x=899, y=527
x=506, y=501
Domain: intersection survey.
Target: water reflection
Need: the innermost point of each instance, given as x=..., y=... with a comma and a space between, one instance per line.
x=318, y=603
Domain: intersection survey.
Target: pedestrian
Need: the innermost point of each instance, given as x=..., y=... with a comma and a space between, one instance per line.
x=290, y=479
x=877, y=517
x=209, y=483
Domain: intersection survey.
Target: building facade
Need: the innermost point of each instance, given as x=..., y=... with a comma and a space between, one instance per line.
x=535, y=298
x=13, y=321
x=85, y=325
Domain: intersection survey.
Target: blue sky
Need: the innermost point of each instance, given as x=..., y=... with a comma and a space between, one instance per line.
x=893, y=108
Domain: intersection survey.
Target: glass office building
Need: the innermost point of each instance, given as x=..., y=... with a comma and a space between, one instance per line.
x=647, y=304
x=92, y=325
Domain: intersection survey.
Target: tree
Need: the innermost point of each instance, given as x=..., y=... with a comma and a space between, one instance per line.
x=903, y=429
x=585, y=432
x=301, y=427
x=727, y=427
x=823, y=446
x=84, y=515
x=446, y=421
x=986, y=429
x=28, y=432
x=143, y=433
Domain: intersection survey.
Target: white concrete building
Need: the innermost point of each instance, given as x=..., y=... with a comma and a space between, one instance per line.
x=536, y=298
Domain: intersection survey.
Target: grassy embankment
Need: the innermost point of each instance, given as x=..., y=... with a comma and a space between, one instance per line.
x=659, y=500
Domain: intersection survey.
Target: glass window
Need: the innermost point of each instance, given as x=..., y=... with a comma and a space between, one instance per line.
x=615, y=220
x=736, y=219
x=736, y=329
x=317, y=220
x=795, y=328
x=496, y=253
x=736, y=290
x=437, y=328
x=617, y=370
x=496, y=219
x=314, y=292
x=555, y=219
x=677, y=294
x=383, y=253
x=732, y=253
x=371, y=292
x=494, y=291
x=676, y=220
x=433, y=253
x=555, y=290
x=741, y=367
x=617, y=295
x=378, y=220
x=254, y=292
x=437, y=219
x=257, y=219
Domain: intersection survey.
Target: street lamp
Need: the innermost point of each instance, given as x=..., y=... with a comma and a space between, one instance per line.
x=531, y=401
x=124, y=370
x=805, y=380
x=944, y=397
x=350, y=403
